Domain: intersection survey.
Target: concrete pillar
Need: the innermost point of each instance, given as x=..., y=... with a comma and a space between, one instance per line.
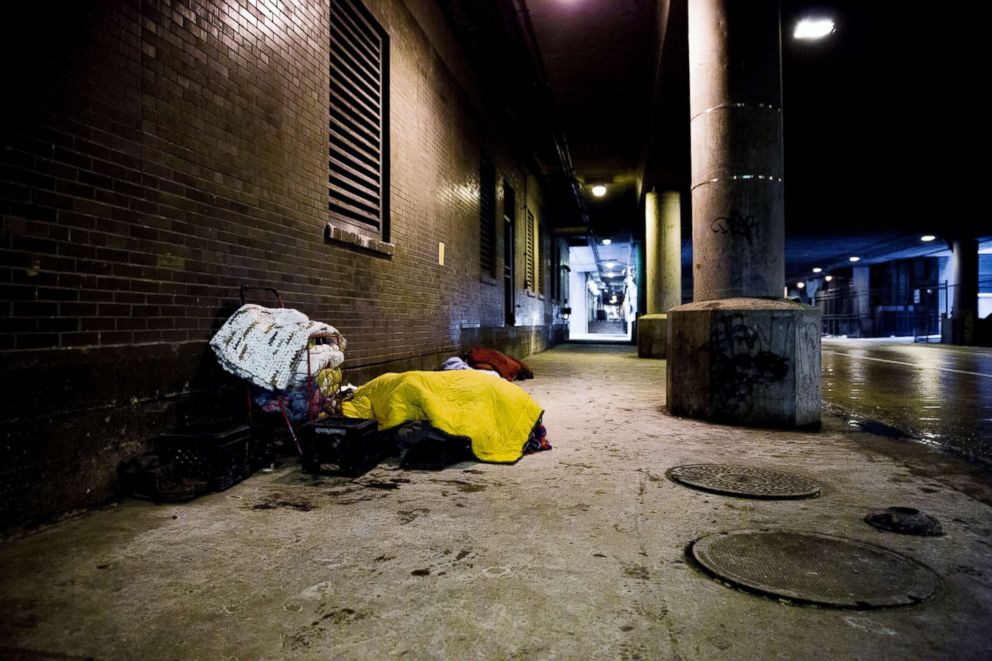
x=663, y=250
x=735, y=99
x=861, y=293
x=740, y=353
x=578, y=322
x=964, y=292
x=812, y=286
x=663, y=257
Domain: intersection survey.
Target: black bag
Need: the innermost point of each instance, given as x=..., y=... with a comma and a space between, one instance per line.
x=423, y=447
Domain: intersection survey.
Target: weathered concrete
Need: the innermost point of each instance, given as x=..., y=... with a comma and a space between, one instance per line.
x=745, y=360
x=735, y=99
x=749, y=360
x=663, y=262
x=964, y=297
x=663, y=251
x=861, y=291
x=574, y=553
x=652, y=336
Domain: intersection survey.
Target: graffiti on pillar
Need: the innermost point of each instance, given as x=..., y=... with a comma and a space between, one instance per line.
x=807, y=359
x=741, y=362
x=736, y=224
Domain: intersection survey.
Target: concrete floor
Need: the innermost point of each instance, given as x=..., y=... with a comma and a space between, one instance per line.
x=574, y=553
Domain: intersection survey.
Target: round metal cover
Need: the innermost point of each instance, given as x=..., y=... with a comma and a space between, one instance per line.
x=905, y=520
x=815, y=568
x=744, y=481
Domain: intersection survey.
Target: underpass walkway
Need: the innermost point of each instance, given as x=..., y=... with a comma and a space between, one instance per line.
x=579, y=552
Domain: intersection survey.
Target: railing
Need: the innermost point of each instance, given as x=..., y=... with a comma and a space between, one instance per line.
x=874, y=313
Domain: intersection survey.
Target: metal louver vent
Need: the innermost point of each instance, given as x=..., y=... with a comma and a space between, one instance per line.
x=540, y=258
x=487, y=218
x=529, y=254
x=358, y=135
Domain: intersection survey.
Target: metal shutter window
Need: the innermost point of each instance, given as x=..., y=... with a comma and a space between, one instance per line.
x=487, y=218
x=529, y=255
x=358, y=136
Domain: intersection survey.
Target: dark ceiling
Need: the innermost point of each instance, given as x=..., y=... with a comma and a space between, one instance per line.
x=877, y=115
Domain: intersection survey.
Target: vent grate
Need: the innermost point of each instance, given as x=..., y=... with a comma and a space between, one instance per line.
x=529, y=253
x=487, y=218
x=357, y=127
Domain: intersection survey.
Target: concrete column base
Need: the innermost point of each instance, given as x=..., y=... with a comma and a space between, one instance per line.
x=652, y=336
x=958, y=331
x=746, y=361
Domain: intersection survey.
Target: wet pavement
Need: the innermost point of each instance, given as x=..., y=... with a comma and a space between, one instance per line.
x=936, y=394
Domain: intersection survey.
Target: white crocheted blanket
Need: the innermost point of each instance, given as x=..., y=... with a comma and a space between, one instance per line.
x=265, y=345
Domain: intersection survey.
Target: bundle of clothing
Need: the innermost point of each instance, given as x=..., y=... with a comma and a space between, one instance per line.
x=491, y=361
x=278, y=351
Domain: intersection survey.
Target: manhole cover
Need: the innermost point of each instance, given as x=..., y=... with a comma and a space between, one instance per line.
x=815, y=568
x=905, y=520
x=746, y=481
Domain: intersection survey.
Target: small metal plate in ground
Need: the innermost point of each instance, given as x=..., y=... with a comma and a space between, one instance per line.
x=906, y=521
x=744, y=481
x=815, y=568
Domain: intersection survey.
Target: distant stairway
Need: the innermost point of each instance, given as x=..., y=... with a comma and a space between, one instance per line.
x=607, y=328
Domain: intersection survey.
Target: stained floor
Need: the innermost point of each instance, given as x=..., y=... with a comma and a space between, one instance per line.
x=579, y=552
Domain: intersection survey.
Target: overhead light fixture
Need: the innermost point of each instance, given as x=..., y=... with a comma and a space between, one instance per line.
x=926, y=238
x=829, y=278
x=854, y=259
x=800, y=284
x=813, y=28
x=607, y=242
x=599, y=190
x=817, y=269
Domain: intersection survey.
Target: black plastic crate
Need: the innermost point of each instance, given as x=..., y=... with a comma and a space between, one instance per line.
x=265, y=439
x=219, y=453
x=342, y=446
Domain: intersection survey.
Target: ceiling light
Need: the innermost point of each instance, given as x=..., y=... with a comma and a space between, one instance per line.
x=816, y=269
x=927, y=237
x=599, y=190
x=854, y=259
x=607, y=242
x=813, y=28
x=829, y=278
x=800, y=284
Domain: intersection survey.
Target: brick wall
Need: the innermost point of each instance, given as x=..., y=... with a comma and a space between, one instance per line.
x=157, y=155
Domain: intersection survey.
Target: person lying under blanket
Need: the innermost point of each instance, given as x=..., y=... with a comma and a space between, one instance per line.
x=496, y=415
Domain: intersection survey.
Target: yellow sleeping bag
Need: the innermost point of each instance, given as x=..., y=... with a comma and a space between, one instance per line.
x=496, y=414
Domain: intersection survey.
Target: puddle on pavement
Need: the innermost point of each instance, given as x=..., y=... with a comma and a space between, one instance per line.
x=879, y=429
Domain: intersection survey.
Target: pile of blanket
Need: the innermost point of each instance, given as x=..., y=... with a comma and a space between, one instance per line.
x=278, y=350
x=491, y=361
x=508, y=367
x=496, y=415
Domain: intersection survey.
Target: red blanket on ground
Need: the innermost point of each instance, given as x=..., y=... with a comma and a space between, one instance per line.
x=508, y=367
